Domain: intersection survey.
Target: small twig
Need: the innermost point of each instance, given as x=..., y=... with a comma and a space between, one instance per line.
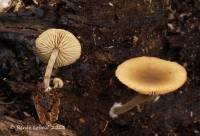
x=93, y=36
x=105, y=127
x=2, y=98
x=6, y=103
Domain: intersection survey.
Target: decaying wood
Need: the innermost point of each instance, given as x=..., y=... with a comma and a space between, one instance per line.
x=14, y=127
x=46, y=104
x=20, y=87
x=32, y=21
x=29, y=22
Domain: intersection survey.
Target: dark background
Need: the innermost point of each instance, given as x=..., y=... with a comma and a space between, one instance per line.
x=110, y=31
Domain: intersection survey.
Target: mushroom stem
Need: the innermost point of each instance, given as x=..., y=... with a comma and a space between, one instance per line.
x=119, y=109
x=49, y=68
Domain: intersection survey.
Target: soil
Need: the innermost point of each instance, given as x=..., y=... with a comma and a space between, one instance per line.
x=110, y=31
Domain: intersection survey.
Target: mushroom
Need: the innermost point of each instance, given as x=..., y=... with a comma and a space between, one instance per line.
x=57, y=47
x=58, y=83
x=150, y=77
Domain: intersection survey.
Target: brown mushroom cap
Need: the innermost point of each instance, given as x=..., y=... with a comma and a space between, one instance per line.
x=151, y=75
x=67, y=44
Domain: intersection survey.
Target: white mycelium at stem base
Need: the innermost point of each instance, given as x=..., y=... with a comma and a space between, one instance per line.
x=58, y=48
x=149, y=76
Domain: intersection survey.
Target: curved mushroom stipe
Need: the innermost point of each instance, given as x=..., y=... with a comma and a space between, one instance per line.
x=118, y=108
x=49, y=68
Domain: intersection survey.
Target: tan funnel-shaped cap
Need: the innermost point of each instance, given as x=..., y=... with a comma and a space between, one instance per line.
x=151, y=75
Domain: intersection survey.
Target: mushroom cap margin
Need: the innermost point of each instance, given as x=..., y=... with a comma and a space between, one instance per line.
x=151, y=75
